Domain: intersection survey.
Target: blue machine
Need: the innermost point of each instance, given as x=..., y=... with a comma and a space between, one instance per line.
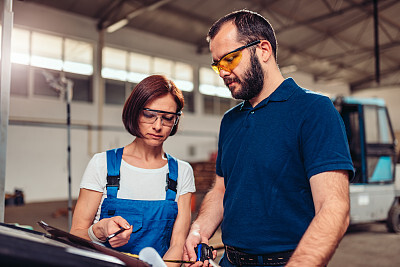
x=375, y=189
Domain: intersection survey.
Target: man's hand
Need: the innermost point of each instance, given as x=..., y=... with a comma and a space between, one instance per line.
x=193, y=240
x=208, y=220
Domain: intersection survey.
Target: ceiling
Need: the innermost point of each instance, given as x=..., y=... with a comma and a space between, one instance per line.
x=332, y=39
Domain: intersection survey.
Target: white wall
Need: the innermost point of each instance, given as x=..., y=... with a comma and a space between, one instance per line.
x=307, y=81
x=36, y=153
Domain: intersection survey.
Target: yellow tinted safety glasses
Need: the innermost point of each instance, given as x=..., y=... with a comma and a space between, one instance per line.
x=231, y=60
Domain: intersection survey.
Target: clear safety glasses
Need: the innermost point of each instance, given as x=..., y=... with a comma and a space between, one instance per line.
x=232, y=59
x=168, y=119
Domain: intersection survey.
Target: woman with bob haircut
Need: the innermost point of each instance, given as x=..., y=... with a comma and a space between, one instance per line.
x=139, y=191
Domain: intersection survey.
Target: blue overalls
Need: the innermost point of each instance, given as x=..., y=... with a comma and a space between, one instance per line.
x=152, y=220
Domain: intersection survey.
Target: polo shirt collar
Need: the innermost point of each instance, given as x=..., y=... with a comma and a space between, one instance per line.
x=282, y=93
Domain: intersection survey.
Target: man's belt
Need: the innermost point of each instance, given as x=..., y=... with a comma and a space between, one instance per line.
x=240, y=258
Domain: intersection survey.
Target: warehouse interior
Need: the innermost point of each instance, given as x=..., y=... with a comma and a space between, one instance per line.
x=105, y=47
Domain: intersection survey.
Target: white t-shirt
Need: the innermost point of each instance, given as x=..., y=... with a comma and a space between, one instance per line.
x=136, y=183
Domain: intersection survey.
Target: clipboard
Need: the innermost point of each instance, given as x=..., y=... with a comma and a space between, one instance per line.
x=76, y=241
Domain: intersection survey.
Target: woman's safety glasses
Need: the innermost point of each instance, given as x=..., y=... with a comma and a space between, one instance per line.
x=168, y=119
x=231, y=60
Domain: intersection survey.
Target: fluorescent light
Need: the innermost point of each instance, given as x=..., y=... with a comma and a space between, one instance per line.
x=118, y=25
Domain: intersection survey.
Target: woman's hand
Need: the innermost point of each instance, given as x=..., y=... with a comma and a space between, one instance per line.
x=108, y=226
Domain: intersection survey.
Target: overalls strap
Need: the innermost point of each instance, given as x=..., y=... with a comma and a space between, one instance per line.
x=172, y=177
x=114, y=157
x=152, y=221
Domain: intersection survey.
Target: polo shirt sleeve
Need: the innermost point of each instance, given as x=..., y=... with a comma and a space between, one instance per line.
x=323, y=139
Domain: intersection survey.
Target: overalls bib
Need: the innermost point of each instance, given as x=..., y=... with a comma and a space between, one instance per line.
x=152, y=220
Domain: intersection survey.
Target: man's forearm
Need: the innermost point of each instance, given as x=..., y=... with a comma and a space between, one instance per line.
x=319, y=242
x=211, y=210
x=321, y=239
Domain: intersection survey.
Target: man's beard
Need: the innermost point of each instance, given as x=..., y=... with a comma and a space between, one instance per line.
x=252, y=83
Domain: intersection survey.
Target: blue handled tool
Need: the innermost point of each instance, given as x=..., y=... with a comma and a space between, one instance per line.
x=203, y=252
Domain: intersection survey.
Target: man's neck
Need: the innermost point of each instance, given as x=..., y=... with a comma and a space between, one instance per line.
x=270, y=85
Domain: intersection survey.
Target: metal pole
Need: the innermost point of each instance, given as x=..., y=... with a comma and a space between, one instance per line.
x=64, y=87
x=69, y=98
x=376, y=31
x=7, y=24
x=99, y=86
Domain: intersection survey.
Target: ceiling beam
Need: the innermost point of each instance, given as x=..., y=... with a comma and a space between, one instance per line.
x=370, y=80
x=314, y=20
x=119, y=24
x=331, y=14
x=332, y=33
x=109, y=13
x=382, y=6
x=383, y=47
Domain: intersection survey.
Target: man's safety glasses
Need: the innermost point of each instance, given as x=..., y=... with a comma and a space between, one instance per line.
x=168, y=119
x=232, y=59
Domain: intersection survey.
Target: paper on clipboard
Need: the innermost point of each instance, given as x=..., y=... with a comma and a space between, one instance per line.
x=79, y=242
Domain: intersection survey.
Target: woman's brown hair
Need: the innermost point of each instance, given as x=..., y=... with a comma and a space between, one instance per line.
x=147, y=90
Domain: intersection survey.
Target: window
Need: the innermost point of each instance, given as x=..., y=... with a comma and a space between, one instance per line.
x=19, y=80
x=41, y=86
x=81, y=88
x=377, y=129
x=212, y=84
x=189, y=101
x=217, y=97
x=130, y=68
x=208, y=104
x=163, y=66
x=78, y=57
x=114, y=64
x=380, y=169
x=380, y=148
x=46, y=51
x=139, y=67
x=183, y=77
x=20, y=46
x=115, y=92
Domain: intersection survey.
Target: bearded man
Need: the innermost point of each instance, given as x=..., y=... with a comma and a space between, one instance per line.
x=281, y=192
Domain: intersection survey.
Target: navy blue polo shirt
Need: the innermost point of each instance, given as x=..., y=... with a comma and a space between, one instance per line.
x=267, y=154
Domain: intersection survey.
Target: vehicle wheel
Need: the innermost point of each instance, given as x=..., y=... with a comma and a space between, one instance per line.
x=393, y=220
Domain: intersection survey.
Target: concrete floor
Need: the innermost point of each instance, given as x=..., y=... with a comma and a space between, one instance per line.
x=368, y=245
x=53, y=213
x=362, y=246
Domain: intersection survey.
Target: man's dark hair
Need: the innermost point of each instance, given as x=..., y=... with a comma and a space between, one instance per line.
x=250, y=25
x=150, y=88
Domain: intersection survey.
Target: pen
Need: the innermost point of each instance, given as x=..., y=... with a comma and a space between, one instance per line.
x=179, y=261
x=116, y=233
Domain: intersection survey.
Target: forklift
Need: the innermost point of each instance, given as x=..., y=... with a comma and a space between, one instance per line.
x=375, y=187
